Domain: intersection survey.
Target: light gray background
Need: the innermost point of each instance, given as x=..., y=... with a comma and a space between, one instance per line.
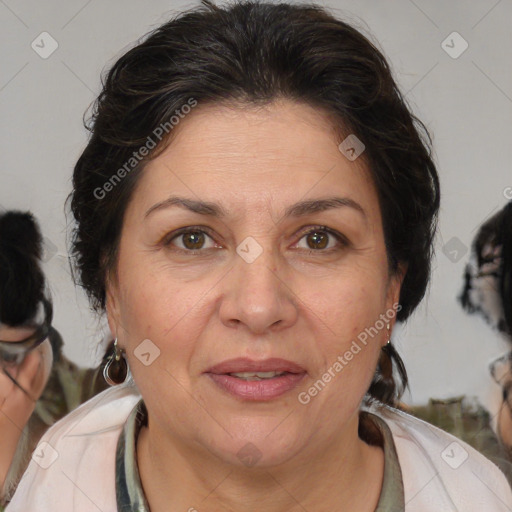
x=466, y=103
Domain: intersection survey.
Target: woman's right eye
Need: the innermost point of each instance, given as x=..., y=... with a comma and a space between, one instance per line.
x=191, y=240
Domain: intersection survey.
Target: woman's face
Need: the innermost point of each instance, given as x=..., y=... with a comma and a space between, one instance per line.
x=252, y=244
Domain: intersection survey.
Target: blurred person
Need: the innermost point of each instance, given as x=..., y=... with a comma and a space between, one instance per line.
x=38, y=385
x=488, y=292
x=488, y=275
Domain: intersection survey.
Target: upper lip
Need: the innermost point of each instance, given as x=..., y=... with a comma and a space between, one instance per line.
x=242, y=364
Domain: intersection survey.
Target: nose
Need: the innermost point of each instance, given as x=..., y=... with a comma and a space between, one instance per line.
x=258, y=297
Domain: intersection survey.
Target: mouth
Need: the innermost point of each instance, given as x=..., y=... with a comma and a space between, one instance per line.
x=254, y=376
x=256, y=380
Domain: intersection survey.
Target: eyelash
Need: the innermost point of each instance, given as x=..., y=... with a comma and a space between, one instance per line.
x=342, y=240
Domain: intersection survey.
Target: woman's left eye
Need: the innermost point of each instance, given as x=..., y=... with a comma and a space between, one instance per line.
x=322, y=238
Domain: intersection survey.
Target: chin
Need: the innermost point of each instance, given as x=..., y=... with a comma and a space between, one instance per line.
x=259, y=445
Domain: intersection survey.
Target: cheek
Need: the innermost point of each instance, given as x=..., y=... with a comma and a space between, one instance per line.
x=159, y=307
x=348, y=304
x=150, y=300
x=349, y=334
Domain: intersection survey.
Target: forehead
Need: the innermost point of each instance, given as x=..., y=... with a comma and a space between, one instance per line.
x=280, y=152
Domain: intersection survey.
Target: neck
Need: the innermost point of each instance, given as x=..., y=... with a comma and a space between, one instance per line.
x=342, y=473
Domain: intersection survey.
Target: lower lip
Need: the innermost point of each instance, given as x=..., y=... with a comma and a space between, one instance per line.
x=262, y=390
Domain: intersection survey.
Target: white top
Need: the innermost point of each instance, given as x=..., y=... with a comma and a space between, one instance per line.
x=73, y=466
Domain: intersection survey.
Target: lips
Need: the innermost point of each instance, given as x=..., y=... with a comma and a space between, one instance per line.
x=242, y=365
x=256, y=380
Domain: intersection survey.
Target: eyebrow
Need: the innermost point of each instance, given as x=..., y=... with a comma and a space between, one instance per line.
x=299, y=209
x=319, y=205
x=200, y=207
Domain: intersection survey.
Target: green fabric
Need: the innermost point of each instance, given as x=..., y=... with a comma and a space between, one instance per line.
x=392, y=494
x=130, y=495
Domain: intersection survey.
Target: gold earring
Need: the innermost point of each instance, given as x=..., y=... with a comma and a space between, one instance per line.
x=116, y=369
x=389, y=335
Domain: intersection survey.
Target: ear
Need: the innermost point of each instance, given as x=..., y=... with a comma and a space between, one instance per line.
x=112, y=307
x=394, y=286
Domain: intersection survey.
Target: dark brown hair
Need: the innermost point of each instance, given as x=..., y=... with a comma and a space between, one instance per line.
x=22, y=282
x=252, y=53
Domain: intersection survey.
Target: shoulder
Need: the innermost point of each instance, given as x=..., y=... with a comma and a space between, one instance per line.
x=72, y=466
x=442, y=470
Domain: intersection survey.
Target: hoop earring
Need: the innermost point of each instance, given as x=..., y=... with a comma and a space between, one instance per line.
x=116, y=369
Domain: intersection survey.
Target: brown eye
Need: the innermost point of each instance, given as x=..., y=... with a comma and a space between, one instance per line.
x=193, y=240
x=321, y=239
x=317, y=240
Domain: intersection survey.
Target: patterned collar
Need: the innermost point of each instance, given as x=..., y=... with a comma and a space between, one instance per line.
x=130, y=495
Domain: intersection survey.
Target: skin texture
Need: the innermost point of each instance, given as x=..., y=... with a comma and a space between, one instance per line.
x=295, y=301
x=15, y=405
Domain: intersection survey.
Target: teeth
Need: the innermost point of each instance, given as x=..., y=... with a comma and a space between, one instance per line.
x=256, y=375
